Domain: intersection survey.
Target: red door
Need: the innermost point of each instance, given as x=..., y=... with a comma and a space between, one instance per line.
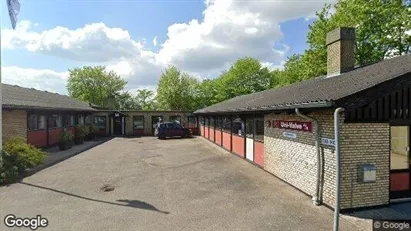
x=400, y=162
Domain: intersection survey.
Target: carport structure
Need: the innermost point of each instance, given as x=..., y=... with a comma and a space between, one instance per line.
x=289, y=131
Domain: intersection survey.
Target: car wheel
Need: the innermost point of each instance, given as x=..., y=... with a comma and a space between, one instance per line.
x=162, y=137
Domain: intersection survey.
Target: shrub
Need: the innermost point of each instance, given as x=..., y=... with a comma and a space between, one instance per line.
x=81, y=131
x=18, y=156
x=93, y=130
x=29, y=155
x=66, y=137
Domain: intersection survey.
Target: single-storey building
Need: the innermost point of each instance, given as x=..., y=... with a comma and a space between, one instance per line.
x=289, y=131
x=41, y=116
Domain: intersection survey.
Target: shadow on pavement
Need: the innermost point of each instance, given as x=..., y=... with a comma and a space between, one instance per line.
x=400, y=211
x=129, y=203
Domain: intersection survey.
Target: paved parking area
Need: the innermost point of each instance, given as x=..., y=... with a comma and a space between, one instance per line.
x=174, y=184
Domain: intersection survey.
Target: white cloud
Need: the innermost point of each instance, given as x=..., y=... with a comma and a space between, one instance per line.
x=155, y=41
x=93, y=43
x=228, y=30
x=42, y=79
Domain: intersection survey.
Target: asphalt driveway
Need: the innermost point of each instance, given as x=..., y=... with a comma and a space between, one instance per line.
x=174, y=184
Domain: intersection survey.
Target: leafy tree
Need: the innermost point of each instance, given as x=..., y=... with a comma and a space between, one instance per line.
x=145, y=100
x=382, y=30
x=176, y=90
x=245, y=76
x=96, y=85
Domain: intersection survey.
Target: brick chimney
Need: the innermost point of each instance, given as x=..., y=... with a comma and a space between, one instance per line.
x=340, y=51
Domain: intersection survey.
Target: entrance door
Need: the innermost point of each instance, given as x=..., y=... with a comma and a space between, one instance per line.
x=400, y=162
x=117, y=126
x=249, y=144
x=154, y=121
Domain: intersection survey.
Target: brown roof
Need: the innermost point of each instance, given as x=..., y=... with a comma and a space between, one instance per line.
x=317, y=92
x=29, y=98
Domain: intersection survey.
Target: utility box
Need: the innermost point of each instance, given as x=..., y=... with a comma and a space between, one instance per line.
x=367, y=173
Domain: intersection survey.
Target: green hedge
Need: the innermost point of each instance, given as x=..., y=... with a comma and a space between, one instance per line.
x=18, y=156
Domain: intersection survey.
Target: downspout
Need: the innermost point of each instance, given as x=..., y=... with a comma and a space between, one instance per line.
x=338, y=166
x=316, y=197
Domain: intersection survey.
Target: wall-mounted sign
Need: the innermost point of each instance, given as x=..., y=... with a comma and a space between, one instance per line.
x=293, y=125
x=290, y=135
x=326, y=141
x=116, y=114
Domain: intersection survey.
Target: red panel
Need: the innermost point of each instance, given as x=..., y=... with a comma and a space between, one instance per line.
x=138, y=132
x=54, y=135
x=37, y=138
x=211, y=134
x=102, y=132
x=202, y=130
x=206, y=132
x=400, y=181
x=227, y=141
x=259, y=153
x=218, y=135
x=238, y=145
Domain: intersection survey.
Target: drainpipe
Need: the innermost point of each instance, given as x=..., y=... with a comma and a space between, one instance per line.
x=316, y=197
x=338, y=166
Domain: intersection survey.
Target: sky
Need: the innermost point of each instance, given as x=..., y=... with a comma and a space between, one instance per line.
x=138, y=39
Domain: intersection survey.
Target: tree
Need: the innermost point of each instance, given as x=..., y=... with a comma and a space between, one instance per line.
x=145, y=100
x=383, y=29
x=245, y=76
x=96, y=85
x=176, y=90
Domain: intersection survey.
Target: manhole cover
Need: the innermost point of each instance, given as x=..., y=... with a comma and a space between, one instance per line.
x=107, y=188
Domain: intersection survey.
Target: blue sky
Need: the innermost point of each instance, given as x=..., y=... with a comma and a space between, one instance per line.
x=202, y=38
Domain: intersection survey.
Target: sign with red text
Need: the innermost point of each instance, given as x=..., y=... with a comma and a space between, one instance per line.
x=293, y=125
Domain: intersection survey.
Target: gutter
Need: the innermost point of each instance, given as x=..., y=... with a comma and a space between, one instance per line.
x=316, y=198
x=337, y=167
x=317, y=104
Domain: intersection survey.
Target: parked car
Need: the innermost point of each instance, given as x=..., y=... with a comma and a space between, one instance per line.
x=171, y=129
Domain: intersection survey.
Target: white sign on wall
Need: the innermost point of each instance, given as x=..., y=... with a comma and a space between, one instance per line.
x=290, y=135
x=327, y=141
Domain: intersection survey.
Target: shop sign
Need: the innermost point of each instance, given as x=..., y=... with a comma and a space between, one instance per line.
x=290, y=135
x=293, y=125
x=327, y=141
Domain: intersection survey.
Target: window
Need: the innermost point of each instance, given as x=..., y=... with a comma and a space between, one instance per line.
x=41, y=122
x=55, y=121
x=202, y=121
x=259, y=129
x=238, y=127
x=226, y=124
x=218, y=123
x=177, y=126
x=69, y=120
x=249, y=128
x=80, y=119
x=170, y=125
x=37, y=122
x=192, y=122
x=88, y=119
x=175, y=118
x=212, y=122
x=100, y=122
x=138, y=122
x=206, y=121
x=32, y=122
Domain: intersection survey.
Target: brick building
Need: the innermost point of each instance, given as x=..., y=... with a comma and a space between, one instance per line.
x=289, y=131
x=40, y=117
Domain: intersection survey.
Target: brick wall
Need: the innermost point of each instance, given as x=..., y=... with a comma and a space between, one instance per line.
x=294, y=160
x=14, y=124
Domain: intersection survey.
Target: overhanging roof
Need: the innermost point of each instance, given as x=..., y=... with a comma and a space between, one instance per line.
x=317, y=92
x=16, y=97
